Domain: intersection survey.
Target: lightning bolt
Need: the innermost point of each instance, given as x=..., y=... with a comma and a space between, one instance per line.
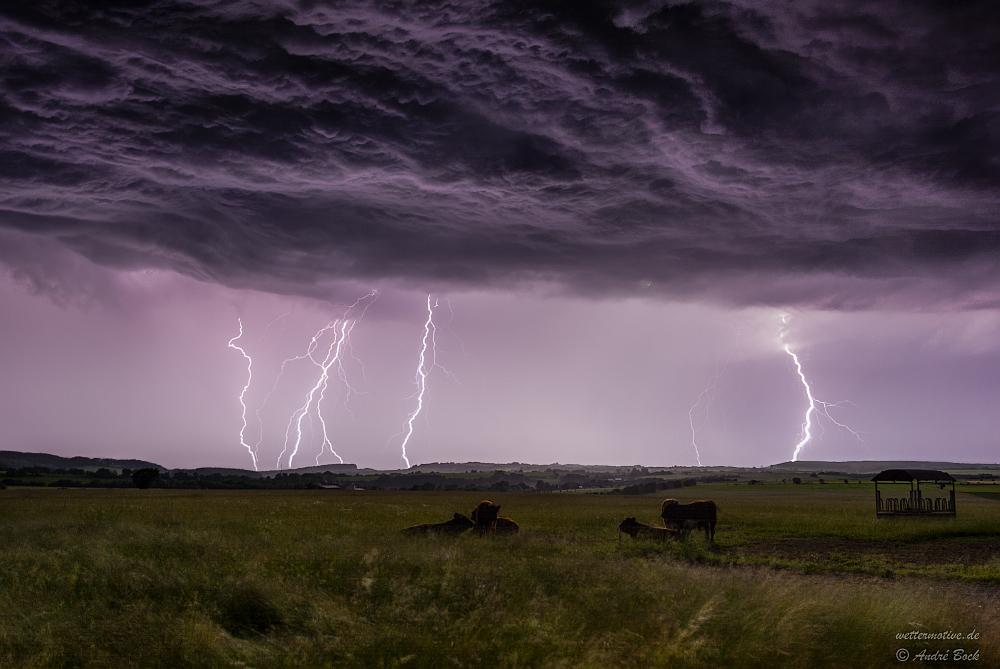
x=332, y=357
x=708, y=394
x=310, y=350
x=818, y=407
x=421, y=377
x=232, y=345
x=423, y=369
x=342, y=333
x=807, y=423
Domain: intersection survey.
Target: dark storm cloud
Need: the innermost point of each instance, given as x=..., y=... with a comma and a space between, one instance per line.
x=606, y=146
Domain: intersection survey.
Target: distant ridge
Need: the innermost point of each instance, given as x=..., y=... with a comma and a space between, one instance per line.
x=875, y=466
x=19, y=460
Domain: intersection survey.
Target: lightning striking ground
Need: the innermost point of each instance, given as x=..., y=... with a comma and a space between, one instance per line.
x=817, y=407
x=253, y=454
x=333, y=357
x=807, y=423
x=421, y=375
x=342, y=329
x=310, y=350
x=707, y=395
x=694, y=443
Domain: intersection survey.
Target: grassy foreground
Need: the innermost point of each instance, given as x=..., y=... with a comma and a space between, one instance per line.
x=115, y=578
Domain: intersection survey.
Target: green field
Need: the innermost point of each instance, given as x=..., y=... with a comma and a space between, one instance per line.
x=800, y=576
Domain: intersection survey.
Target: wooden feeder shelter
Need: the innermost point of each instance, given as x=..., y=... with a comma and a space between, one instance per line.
x=917, y=503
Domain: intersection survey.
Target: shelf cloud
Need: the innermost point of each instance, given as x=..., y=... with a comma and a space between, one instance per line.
x=823, y=155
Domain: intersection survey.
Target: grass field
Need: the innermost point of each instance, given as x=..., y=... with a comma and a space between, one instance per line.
x=800, y=576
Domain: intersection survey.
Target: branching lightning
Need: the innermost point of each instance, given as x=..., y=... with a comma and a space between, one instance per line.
x=342, y=332
x=332, y=359
x=328, y=349
x=818, y=407
x=232, y=344
x=708, y=396
x=310, y=350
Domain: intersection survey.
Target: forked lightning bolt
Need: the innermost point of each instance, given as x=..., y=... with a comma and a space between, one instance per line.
x=707, y=395
x=332, y=357
x=816, y=406
x=253, y=455
x=342, y=332
x=310, y=349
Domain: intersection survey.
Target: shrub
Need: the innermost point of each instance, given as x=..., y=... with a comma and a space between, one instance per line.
x=248, y=611
x=145, y=477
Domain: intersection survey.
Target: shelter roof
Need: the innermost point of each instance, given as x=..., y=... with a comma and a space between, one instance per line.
x=913, y=475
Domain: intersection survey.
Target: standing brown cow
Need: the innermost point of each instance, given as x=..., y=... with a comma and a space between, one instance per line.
x=703, y=513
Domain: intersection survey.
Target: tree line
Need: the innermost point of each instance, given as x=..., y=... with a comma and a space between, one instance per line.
x=498, y=481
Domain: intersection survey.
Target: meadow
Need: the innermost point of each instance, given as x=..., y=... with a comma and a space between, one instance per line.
x=799, y=576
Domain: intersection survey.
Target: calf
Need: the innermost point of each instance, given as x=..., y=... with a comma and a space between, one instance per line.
x=460, y=523
x=637, y=530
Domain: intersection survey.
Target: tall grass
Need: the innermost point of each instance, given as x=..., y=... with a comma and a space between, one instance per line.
x=92, y=578
x=837, y=510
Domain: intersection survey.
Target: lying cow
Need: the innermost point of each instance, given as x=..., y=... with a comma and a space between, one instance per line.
x=505, y=526
x=460, y=523
x=703, y=514
x=486, y=520
x=637, y=530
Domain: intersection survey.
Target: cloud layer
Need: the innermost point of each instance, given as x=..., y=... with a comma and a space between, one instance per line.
x=823, y=154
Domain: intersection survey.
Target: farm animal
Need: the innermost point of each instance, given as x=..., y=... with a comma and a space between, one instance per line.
x=703, y=513
x=460, y=523
x=485, y=512
x=505, y=526
x=488, y=522
x=637, y=530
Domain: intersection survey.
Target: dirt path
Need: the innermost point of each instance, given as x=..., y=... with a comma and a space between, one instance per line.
x=834, y=550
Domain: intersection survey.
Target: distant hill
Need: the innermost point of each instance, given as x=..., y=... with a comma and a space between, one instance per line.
x=875, y=466
x=466, y=467
x=18, y=460
x=312, y=469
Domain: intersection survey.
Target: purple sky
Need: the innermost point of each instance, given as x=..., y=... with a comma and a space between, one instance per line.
x=614, y=205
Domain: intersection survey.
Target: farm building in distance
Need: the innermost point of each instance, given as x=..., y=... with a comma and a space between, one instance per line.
x=915, y=503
